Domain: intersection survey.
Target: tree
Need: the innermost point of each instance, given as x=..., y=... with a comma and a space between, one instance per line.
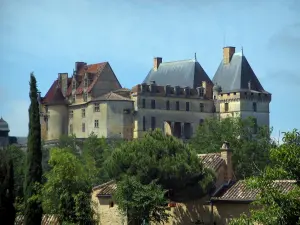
x=67, y=190
x=276, y=206
x=7, y=197
x=33, y=173
x=250, y=152
x=155, y=164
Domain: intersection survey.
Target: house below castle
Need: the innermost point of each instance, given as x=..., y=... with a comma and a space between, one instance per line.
x=175, y=96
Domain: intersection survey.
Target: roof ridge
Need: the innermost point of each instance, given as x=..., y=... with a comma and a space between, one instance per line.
x=182, y=60
x=102, y=185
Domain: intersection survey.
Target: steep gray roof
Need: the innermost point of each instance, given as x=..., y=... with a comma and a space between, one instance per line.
x=178, y=73
x=236, y=75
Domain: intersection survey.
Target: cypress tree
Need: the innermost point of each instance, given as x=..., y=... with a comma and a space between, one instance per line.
x=33, y=173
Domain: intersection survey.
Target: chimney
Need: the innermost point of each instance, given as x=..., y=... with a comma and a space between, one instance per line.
x=226, y=155
x=227, y=54
x=63, y=82
x=156, y=62
x=79, y=66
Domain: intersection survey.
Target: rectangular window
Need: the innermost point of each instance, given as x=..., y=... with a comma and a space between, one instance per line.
x=168, y=105
x=74, y=98
x=46, y=109
x=71, y=114
x=46, y=123
x=177, y=105
x=187, y=106
x=96, y=123
x=83, y=113
x=201, y=92
x=153, y=123
x=254, y=106
x=83, y=127
x=71, y=128
x=153, y=104
x=74, y=84
x=96, y=107
x=144, y=103
x=201, y=107
x=226, y=107
x=144, y=123
x=201, y=121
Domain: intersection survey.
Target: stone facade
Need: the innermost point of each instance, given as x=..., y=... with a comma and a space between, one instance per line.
x=175, y=97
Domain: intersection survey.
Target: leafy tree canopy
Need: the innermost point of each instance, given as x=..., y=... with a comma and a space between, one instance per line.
x=250, y=152
x=275, y=205
x=155, y=161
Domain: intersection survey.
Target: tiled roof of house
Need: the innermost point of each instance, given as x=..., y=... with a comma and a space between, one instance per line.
x=211, y=160
x=54, y=95
x=240, y=192
x=122, y=89
x=46, y=220
x=111, y=96
x=106, y=189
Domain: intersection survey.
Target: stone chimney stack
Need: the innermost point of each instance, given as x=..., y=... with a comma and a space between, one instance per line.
x=226, y=155
x=227, y=54
x=156, y=62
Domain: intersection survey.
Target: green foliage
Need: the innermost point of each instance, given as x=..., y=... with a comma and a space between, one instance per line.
x=275, y=205
x=7, y=197
x=154, y=161
x=67, y=190
x=250, y=152
x=33, y=172
x=135, y=199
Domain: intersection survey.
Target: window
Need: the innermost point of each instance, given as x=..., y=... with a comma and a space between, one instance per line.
x=71, y=114
x=111, y=204
x=74, y=98
x=226, y=107
x=83, y=127
x=74, y=84
x=187, y=106
x=85, y=97
x=153, y=104
x=85, y=82
x=71, y=128
x=46, y=123
x=168, y=105
x=83, y=113
x=46, y=109
x=177, y=105
x=96, y=107
x=201, y=107
x=96, y=123
x=201, y=92
x=144, y=103
x=254, y=106
x=153, y=123
x=201, y=121
x=144, y=123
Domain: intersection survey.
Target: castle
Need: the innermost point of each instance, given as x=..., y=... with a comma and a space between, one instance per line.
x=174, y=96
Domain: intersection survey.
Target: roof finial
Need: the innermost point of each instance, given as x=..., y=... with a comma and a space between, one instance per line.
x=242, y=51
x=195, y=56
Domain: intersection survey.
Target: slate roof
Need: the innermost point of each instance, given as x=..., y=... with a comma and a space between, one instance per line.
x=3, y=125
x=111, y=96
x=240, y=192
x=236, y=75
x=211, y=160
x=184, y=73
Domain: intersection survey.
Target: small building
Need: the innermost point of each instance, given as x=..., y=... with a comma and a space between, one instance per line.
x=5, y=139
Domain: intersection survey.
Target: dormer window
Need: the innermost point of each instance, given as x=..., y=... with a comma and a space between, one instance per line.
x=85, y=97
x=73, y=98
x=74, y=84
x=201, y=92
x=86, y=83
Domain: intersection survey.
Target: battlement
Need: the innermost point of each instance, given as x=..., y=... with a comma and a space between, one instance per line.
x=144, y=89
x=245, y=95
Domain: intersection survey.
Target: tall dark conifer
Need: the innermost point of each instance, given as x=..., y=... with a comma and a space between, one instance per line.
x=33, y=174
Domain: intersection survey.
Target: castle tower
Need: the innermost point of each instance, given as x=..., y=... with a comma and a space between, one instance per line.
x=4, y=131
x=237, y=91
x=54, y=115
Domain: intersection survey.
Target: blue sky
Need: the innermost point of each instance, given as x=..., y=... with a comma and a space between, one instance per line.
x=47, y=37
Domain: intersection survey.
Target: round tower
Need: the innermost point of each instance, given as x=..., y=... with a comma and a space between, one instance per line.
x=4, y=131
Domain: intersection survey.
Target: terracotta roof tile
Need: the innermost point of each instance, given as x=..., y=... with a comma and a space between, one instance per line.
x=240, y=192
x=106, y=189
x=54, y=95
x=211, y=160
x=46, y=220
x=111, y=96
